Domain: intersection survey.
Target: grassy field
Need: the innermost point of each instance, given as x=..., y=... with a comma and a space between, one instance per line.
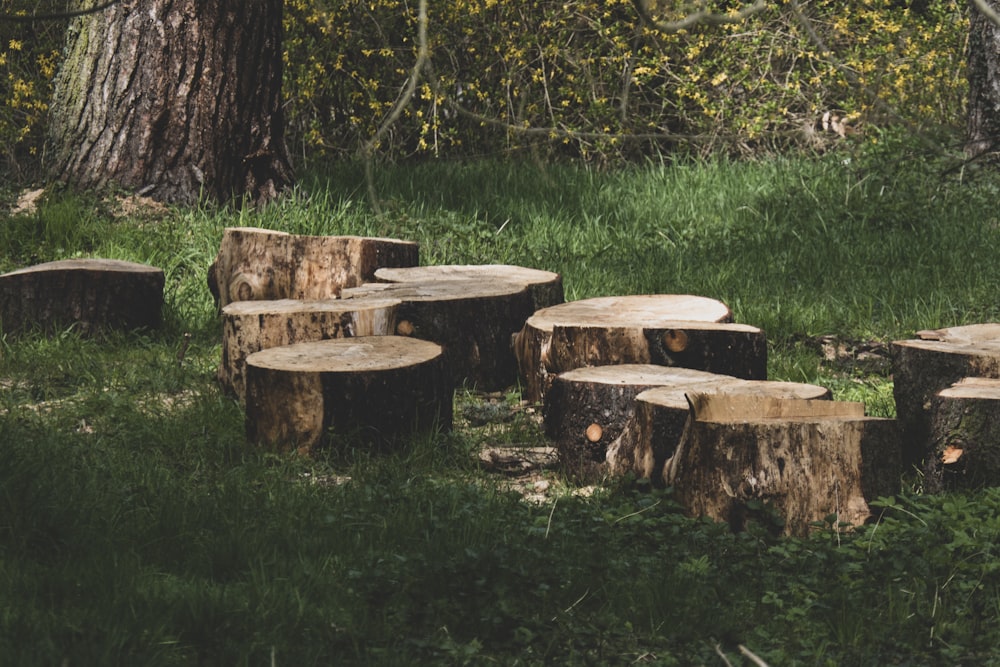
x=138, y=527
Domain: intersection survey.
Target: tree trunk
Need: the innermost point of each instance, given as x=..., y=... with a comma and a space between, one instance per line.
x=808, y=460
x=650, y=436
x=965, y=436
x=89, y=294
x=923, y=366
x=984, y=83
x=377, y=390
x=177, y=99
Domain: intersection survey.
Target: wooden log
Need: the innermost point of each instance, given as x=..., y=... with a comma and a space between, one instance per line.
x=965, y=437
x=586, y=409
x=265, y=265
x=933, y=361
x=88, y=294
x=473, y=322
x=545, y=287
x=251, y=326
x=641, y=329
x=806, y=459
x=649, y=437
x=376, y=390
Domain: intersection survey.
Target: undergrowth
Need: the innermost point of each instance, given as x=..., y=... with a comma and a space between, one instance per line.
x=138, y=527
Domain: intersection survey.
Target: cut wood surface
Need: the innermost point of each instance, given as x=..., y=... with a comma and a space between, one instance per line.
x=586, y=408
x=637, y=329
x=89, y=294
x=650, y=435
x=379, y=390
x=546, y=287
x=933, y=361
x=472, y=320
x=965, y=436
x=251, y=326
x=806, y=459
x=265, y=265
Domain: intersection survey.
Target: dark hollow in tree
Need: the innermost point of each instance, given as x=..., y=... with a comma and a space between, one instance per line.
x=177, y=99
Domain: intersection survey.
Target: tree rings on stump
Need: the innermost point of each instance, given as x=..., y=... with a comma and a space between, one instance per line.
x=251, y=326
x=546, y=288
x=965, y=436
x=472, y=320
x=265, y=265
x=811, y=461
x=668, y=330
x=89, y=294
x=377, y=390
x=650, y=436
x=586, y=408
x=934, y=361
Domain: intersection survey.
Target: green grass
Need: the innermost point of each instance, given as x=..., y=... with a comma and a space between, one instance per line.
x=138, y=527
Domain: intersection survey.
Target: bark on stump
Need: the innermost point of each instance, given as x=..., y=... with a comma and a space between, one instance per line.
x=265, y=265
x=934, y=361
x=89, y=294
x=965, y=436
x=650, y=436
x=586, y=409
x=251, y=326
x=472, y=321
x=668, y=330
x=546, y=288
x=811, y=461
x=376, y=390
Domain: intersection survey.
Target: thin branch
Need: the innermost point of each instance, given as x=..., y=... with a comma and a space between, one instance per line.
x=701, y=17
x=55, y=16
x=991, y=14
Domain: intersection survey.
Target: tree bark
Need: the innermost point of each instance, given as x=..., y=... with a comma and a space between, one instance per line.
x=624, y=318
x=252, y=326
x=965, y=436
x=808, y=460
x=88, y=294
x=650, y=436
x=375, y=390
x=264, y=265
x=923, y=366
x=472, y=320
x=983, y=71
x=176, y=99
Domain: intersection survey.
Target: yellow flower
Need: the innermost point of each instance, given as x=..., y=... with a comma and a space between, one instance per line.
x=14, y=45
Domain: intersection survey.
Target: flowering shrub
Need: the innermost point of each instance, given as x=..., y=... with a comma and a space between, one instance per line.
x=584, y=78
x=603, y=84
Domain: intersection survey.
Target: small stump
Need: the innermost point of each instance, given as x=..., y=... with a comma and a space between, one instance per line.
x=90, y=294
x=933, y=361
x=649, y=437
x=473, y=321
x=809, y=460
x=545, y=287
x=965, y=436
x=251, y=326
x=586, y=409
x=265, y=265
x=377, y=390
x=667, y=330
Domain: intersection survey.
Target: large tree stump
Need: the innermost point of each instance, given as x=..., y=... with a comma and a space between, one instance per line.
x=89, y=294
x=808, y=460
x=669, y=330
x=473, y=321
x=934, y=361
x=265, y=265
x=377, y=390
x=251, y=326
x=586, y=408
x=546, y=288
x=649, y=437
x=965, y=436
